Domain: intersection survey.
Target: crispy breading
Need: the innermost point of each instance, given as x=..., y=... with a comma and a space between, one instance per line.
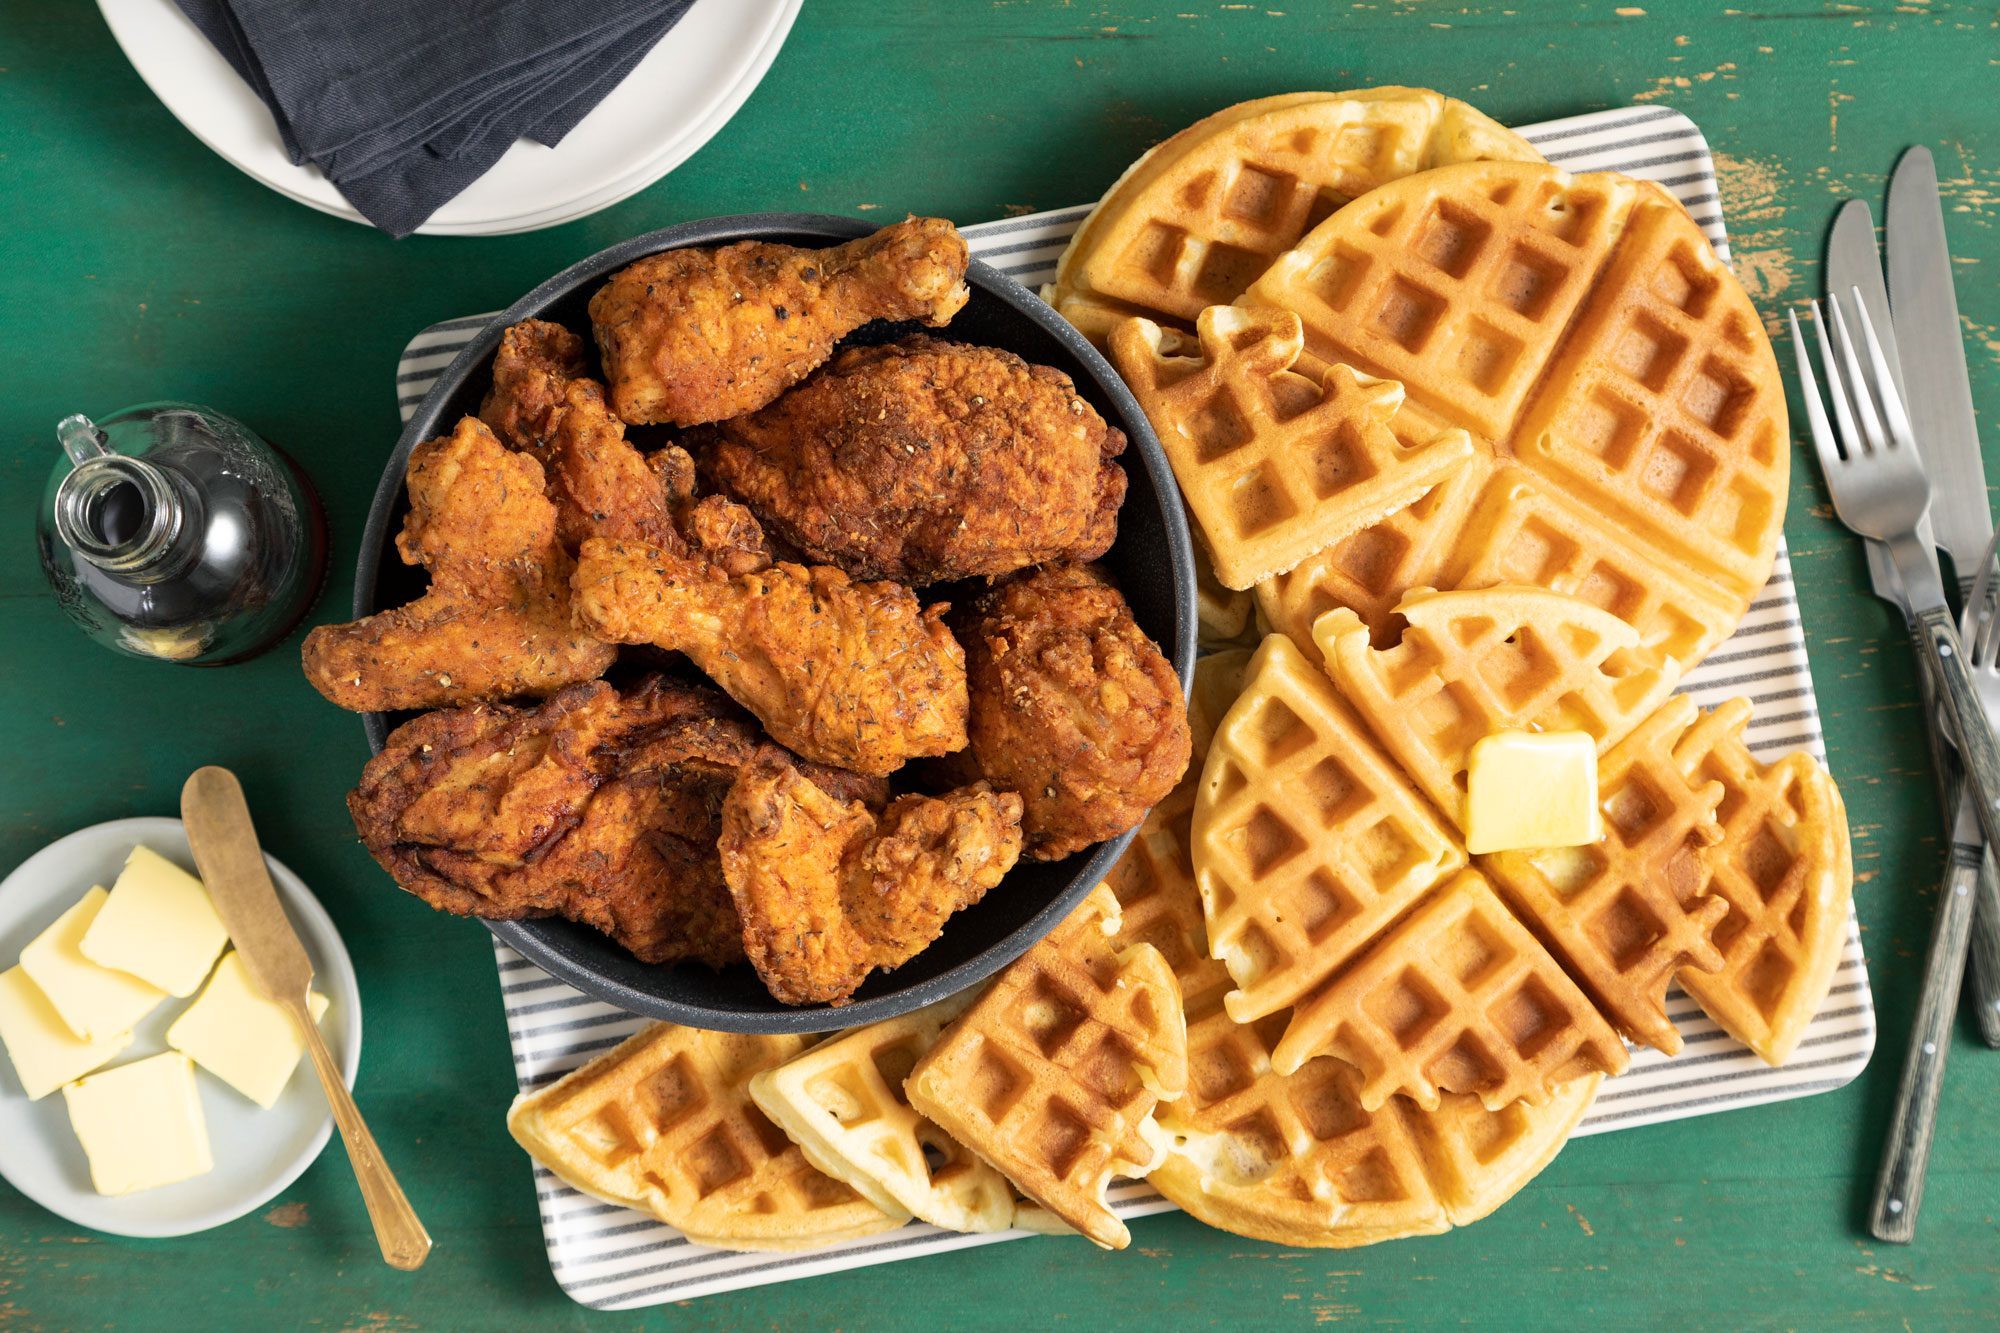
x=532, y=367
x=495, y=621
x=698, y=335
x=599, y=807
x=926, y=460
x=829, y=892
x=859, y=675
x=1072, y=706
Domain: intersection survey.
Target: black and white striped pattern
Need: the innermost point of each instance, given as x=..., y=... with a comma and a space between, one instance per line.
x=611, y=1258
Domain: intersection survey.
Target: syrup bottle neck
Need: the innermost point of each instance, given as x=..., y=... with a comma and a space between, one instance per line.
x=130, y=518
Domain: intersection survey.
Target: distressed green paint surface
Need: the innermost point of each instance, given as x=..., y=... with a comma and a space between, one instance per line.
x=135, y=264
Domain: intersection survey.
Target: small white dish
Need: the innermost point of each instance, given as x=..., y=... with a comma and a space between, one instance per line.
x=258, y=1152
x=674, y=101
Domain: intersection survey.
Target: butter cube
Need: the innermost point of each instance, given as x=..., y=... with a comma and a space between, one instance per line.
x=46, y=1054
x=94, y=1001
x=158, y=924
x=141, y=1124
x=1529, y=789
x=242, y=1038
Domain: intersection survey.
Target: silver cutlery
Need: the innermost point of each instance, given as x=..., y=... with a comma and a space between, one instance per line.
x=1880, y=490
x=1939, y=395
x=1899, y=1186
x=1852, y=264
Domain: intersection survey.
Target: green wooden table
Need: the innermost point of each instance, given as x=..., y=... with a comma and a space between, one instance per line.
x=134, y=264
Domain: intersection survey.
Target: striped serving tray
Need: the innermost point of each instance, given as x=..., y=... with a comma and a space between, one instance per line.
x=612, y=1258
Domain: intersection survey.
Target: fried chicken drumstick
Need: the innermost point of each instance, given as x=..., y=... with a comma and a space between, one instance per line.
x=1072, y=706
x=828, y=891
x=926, y=460
x=599, y=807
x=495, y=621
x=858, y=675
x=698, y=335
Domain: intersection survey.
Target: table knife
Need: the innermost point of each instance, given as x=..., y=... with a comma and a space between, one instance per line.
x=1852, y=263
x=232, y=867
x=1932, y=351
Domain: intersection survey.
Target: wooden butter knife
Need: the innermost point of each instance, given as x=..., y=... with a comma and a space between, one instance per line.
x=226, y=852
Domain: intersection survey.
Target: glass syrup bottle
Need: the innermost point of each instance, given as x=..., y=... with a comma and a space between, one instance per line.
x=171, y=531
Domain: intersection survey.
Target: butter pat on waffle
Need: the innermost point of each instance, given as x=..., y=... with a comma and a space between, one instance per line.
x=1054, y=1074
x=1628, y=912
x=1275, y=466
x=1785, y=868
x=1308, y=840
x=1200, y=215
x=843, y=1103
x=1471, y=663
x=1579, y=324
x=1458, y=996
x=664, y=1124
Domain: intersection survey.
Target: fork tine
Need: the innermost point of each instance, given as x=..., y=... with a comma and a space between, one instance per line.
x=1825, y=442
x=1849, y=434
x=1872, y=434
x=1893, y=409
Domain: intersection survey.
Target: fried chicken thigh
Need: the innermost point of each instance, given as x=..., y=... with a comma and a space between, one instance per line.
x=926, y=460
x=858, y=675
x=1072, y=706
x=495, y=621
x=829, y=892
x=599, y=807
x=698, y=335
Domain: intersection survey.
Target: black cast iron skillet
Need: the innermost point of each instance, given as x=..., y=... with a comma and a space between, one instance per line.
x=1151, y=561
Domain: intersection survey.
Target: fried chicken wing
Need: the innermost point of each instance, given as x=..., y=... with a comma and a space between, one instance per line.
x=829, y=892
x=858, y=675
x=495, y=621
x=532, y=367
x=601, y=484
x=926, y=460
x=1072, y=706
x=698, y=335
x=599, y=807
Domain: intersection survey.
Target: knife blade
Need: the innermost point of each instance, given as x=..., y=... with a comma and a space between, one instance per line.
x=1924, y=310
x=1924, y=306
x=1852, y=262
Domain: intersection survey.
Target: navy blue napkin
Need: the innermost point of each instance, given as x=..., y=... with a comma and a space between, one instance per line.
x=403, y=106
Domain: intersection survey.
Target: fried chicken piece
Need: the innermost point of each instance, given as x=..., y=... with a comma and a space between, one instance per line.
x=926, y=460
x=828, y=892
x=1072, y=706
x=495, y=621
x=595, y=806
x=859, y=675
x=698, y=335
x=602, y=485
x=532, y=367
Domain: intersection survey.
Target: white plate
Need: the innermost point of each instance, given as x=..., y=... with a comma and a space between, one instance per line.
x=258, y=1152
x=677, y=98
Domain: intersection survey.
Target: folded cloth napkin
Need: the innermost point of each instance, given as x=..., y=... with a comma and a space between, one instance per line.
x=404, y=105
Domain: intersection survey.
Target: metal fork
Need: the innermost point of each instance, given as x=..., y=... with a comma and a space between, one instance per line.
x=1879, y=490
x=1899, y=1188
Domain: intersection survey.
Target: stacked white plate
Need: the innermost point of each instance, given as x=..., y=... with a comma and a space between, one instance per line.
x=678, y=97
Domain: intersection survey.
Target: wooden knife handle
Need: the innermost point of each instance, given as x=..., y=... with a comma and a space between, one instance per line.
x=405, y=1244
